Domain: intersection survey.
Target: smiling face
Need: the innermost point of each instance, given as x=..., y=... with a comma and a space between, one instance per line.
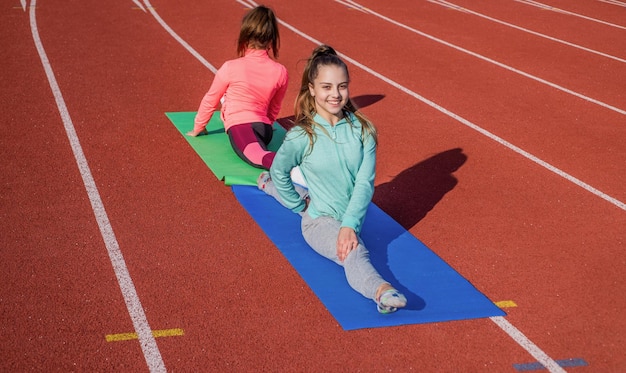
x=330, y=92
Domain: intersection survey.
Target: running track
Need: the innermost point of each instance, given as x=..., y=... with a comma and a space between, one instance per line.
x=502, y=129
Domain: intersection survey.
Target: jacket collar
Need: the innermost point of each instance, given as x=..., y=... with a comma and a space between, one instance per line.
x=320, y=120
x=256, y=52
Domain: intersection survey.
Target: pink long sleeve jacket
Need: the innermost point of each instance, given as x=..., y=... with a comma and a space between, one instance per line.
x=254, y=85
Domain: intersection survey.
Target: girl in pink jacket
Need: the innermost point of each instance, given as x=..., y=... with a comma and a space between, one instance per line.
x=252, y=87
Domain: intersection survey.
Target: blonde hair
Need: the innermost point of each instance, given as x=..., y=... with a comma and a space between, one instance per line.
x=324, y=55
x=259, y=30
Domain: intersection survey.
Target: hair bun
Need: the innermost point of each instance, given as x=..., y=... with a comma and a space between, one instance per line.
x=323, y=50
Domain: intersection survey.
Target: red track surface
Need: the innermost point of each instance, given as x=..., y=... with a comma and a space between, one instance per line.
x=515, y=229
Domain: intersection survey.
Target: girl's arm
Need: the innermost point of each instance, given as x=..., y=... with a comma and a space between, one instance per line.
x=288, y=156
x=363, y=188
x=210, y=103
x=276, y=102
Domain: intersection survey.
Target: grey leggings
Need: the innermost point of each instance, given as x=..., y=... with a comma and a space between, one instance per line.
x=321, y=234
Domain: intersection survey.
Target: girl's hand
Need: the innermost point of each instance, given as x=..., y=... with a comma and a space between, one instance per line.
x=200, y=133
x=346, y=242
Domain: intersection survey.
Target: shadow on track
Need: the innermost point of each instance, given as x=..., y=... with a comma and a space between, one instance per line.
x=415, y=191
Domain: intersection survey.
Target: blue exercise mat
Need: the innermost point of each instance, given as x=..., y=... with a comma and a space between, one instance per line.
x=435, y=292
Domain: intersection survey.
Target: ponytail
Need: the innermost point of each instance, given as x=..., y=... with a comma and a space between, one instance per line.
x=259, y=30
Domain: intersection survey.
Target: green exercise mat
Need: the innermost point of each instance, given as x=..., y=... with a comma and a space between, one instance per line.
x=215, y=149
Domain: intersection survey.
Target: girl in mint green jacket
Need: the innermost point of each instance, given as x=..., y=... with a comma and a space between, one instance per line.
x=335, y=147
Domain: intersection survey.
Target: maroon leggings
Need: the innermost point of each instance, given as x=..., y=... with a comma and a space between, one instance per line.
x=250, y=142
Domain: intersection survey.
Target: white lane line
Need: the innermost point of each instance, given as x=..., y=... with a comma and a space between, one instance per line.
x=527, y=344
x=549, y=7
x=350, y=5
x=466, y=10
x=178, y=38
x=614, y=2
x=139, y=5
x=133, y=305
x=487, y=59
x=23, y=2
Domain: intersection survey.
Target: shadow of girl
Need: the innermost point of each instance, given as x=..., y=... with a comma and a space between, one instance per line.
x=415, y=191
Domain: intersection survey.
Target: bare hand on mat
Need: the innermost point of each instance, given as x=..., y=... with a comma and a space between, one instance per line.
x=201, y=133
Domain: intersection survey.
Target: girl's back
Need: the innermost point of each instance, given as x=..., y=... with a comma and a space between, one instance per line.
x=255, y=88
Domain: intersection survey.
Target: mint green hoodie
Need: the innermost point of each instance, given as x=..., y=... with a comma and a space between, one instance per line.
x=339, y=171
